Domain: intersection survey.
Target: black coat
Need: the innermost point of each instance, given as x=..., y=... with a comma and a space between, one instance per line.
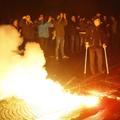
x=96, y=36
x=28, y=30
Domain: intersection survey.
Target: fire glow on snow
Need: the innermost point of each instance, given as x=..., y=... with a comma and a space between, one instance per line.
x=25, y=77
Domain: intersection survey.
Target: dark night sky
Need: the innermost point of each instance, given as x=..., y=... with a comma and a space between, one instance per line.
x=11, y=8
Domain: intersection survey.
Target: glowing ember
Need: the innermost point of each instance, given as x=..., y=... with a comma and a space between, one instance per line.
x=25, y=78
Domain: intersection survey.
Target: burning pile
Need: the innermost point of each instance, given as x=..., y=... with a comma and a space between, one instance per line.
x=25, y=77
x=13, y=108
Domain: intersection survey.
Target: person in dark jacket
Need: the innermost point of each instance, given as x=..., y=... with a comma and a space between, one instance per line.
x=74, y=35
x=27, y=30
x=96, y=41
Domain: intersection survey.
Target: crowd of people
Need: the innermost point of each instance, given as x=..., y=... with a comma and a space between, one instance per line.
x=65, y=35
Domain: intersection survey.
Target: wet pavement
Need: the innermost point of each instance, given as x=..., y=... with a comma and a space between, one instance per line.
x=69, y=73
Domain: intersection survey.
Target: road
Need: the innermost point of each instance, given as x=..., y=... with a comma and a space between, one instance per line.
x=69, y=73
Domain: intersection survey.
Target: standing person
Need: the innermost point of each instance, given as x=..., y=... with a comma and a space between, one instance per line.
x=27, y=30
x=114, y=30
x=43, y=32
x=96, y=41
x=59, y=26
x=74, y=35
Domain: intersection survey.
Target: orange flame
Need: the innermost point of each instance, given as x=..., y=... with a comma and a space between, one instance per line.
x=26, y=79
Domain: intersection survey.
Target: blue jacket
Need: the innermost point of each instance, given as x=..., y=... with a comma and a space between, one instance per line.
x=43, y=30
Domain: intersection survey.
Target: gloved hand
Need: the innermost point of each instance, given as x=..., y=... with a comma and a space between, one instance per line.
x=87, y=44
x=104, y=45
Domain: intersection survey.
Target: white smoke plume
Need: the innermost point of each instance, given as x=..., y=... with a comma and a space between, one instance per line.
x=15, y=70
x=9, y=41
x=24, y=76
x=8, y=45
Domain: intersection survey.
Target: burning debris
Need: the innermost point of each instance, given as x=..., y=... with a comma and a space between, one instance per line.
x=15, y=109
x=25, y=77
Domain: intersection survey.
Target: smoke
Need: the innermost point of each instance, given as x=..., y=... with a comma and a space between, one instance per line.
x=9, y=41
x=24, y=76
x=16, y=71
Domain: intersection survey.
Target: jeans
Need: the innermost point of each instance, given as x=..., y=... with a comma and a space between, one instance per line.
x=59, y=46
